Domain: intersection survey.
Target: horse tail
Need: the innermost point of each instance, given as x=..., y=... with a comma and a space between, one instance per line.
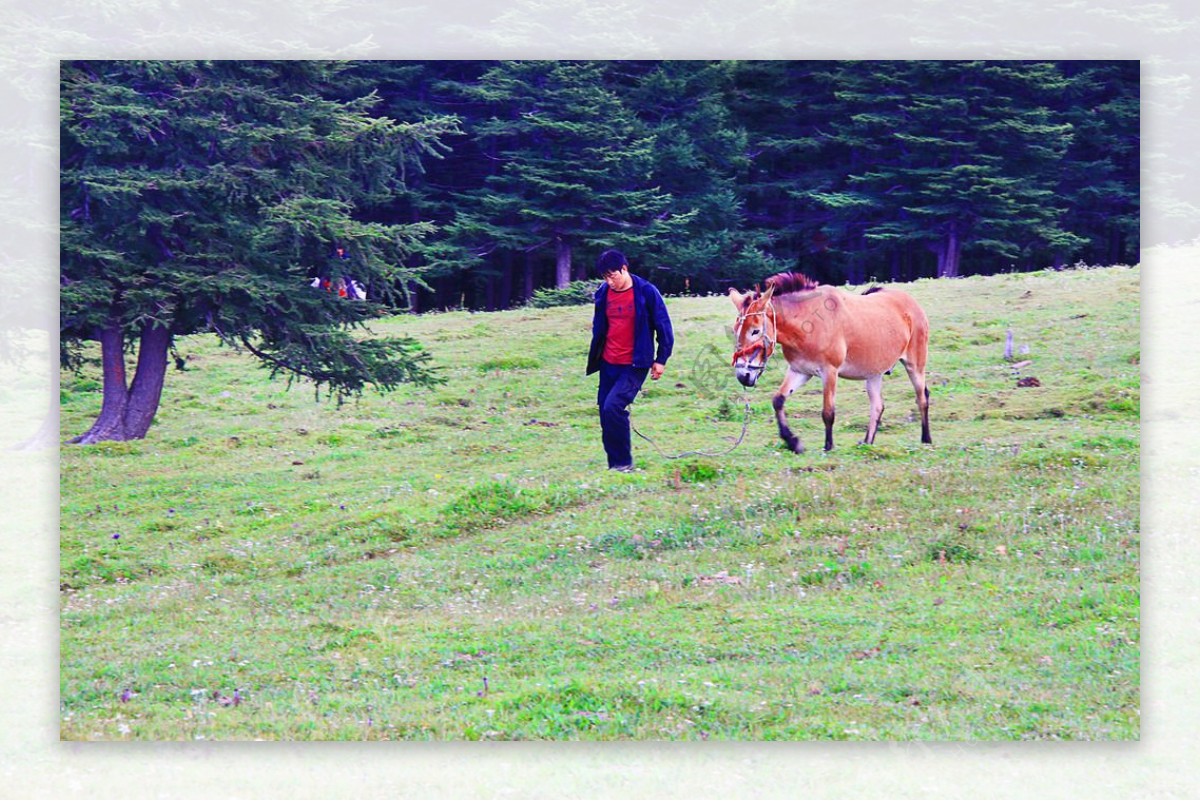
x=915, y=361
x=920, y=333
x=916, y=350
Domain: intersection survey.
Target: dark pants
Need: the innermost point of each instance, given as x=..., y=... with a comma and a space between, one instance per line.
x=619, y=385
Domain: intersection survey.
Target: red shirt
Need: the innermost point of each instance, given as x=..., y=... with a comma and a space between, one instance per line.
x=618, y=345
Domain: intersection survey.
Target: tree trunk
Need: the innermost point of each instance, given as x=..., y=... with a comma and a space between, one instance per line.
x=1116, y=248
x=489, y=293
x=506, y=282
x=855, y=273
x=127, y=411
x=146, y=390
x=110, y=422
x=949, y=253
x=562, y=275
x=414, y=298
x=527, y=275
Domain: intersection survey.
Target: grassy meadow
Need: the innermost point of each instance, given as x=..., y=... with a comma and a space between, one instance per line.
x=456, y=563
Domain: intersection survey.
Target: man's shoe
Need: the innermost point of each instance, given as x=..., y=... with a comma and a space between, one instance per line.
x=625, y=468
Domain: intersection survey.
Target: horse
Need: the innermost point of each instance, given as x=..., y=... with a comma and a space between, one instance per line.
x=831, y=333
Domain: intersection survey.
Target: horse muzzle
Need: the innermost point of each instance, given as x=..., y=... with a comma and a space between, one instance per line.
x=748, y=374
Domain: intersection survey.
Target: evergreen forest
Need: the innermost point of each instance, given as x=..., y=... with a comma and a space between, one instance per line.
x=442, y=184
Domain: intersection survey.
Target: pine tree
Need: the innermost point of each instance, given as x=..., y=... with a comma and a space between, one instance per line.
x=205, y=196
x=786, y=111
x=418, y=90
x=700, y=154
x=949, y=156
x=1101, y=173
x=572, y=166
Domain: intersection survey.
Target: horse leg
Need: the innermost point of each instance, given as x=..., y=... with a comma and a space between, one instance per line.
x=916, y=374
x=791, y=382
x=829, y=379
x=875, y=396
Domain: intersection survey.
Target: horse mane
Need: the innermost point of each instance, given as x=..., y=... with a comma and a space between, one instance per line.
x=791, y=282
x=873, y=290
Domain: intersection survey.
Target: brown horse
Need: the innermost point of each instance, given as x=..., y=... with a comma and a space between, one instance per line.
x=831, y=333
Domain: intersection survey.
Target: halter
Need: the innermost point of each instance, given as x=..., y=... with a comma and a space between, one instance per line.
x=765, y=342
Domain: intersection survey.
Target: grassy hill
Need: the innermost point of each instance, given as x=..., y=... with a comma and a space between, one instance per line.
x=457, y=563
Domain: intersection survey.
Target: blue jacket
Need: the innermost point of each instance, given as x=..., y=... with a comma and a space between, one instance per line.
x=650, y=319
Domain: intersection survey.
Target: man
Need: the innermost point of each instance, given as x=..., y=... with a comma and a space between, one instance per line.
x=630, y=314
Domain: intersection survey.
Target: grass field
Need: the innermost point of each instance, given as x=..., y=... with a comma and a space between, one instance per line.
x=456, y=563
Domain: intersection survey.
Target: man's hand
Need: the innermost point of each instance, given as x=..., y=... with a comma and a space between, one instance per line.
x=656, y=371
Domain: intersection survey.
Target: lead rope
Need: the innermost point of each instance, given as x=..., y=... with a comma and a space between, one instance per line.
x=730, y=449
x=768, y=346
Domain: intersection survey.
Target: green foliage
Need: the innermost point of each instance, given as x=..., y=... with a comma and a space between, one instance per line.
x=576, y=293
x=509, y=363
x=477, y=183
x=716, y=173
x=957, y=156
x=499, y=503
x=726, y=410
x=697, y=470
x=575, y=164
x=204, y=196
x=942, y=551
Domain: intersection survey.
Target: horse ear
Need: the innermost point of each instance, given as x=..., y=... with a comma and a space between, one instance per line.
x=770, y=291
x=737, y=297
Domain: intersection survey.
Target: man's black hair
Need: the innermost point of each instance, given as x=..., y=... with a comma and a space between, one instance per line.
x=610, y=261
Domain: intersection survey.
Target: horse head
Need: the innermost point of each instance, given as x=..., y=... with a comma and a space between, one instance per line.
x=754, y=334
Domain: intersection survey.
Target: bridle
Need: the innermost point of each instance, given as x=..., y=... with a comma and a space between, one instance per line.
x=765, y=342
